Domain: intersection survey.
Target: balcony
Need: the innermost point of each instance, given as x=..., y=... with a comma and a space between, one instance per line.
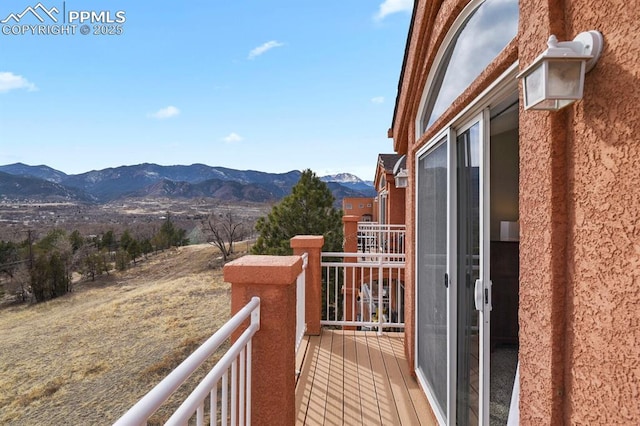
x=358, y=378
x=376, y=237
x=289, y=363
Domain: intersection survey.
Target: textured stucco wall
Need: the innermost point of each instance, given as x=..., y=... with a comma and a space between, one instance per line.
x=580, y=205
x=395, y=202
x=602, y=359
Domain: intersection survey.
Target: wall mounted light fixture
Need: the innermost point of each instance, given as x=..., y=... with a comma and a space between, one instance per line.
x=555, y=79
x=402, y=178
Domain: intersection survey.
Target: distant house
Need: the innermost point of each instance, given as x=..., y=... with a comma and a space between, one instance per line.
x=390, y=202
x=359, y=206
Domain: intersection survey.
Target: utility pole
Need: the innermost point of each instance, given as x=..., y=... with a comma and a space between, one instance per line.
x=30, y=249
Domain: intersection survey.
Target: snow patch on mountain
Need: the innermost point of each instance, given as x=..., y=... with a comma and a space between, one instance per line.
x=341, y=178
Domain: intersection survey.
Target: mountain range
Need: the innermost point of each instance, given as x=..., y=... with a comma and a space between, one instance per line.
x=42, y=183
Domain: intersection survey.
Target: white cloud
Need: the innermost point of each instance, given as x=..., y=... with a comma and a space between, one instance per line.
x=233, y=137
x=389, y=7
x=165, y=113
x=377, y=100
x=10, y=81
x=263, y=48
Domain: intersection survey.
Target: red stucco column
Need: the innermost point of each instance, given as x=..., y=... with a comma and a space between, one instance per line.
x=312, y=245
x=272, y=279
x=350, y=229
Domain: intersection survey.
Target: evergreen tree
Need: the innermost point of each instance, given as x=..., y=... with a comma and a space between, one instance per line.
x=51, y=271
x=126, y=240
x=131, y=245
x=308, y=210
x=122, y=260
x=170, y=236
x=146, y=247
x=9, y=257
x=76, y=240
x=108, y=241
x=93, y=262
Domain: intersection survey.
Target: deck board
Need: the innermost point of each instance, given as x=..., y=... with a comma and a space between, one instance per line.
x=368, y=400
x=335, y=393
x=384, y=394
x=307, y=370
x=356, y=377
x=401, y=397
x=420, y=403
x=352, y=407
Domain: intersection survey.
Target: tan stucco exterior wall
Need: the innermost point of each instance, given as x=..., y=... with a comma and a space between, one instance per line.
x=579, y=212
x=580, y=247
x=395, y=202
x=360, y=206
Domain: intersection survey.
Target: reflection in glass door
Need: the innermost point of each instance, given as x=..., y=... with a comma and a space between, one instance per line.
x=468, y=271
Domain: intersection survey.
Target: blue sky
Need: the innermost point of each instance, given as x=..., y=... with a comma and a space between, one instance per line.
x=262, y=85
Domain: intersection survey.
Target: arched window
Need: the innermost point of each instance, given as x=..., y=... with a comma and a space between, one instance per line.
x=481, y=32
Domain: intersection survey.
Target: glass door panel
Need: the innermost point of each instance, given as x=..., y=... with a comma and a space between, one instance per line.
x=431, y=257
x=468, y=271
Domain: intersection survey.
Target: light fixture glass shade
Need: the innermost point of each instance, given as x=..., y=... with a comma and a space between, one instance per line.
x=554, y=84
x=556, y=78
x=402, y=179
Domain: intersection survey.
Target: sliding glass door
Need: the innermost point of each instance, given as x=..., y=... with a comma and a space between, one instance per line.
x=452, y=292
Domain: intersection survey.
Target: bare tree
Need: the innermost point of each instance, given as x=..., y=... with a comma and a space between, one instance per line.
x=18, y=283
x=223, y=229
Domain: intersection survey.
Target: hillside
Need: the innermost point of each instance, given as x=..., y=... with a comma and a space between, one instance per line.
x=87, y=357
x=40, y=183
x=22, y=187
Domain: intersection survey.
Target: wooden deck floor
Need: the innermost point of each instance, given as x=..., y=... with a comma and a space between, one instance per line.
x=358, y=378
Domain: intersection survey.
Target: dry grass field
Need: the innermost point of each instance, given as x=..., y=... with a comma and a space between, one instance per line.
x=85, y=358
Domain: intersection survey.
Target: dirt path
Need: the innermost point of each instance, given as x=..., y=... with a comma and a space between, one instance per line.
x=87, y=357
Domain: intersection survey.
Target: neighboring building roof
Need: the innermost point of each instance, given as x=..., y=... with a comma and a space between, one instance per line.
x=388, y=161
x=400, y=164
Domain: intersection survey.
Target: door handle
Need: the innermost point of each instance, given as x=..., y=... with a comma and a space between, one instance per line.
x=482, y=295
x=478, y=295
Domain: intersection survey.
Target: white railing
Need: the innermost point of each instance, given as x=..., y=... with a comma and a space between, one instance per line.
x=301, y=324
x=234, y=401
x=381, y=238
x=363, y=291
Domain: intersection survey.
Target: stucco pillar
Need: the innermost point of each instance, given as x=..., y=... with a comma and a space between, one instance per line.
x=273, y=280
x=350, y=228
x=543, y=231
x=312, y=245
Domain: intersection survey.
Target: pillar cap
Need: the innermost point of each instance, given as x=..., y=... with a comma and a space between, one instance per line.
x=304, y=241
x=258, y=269
x=350, y=218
